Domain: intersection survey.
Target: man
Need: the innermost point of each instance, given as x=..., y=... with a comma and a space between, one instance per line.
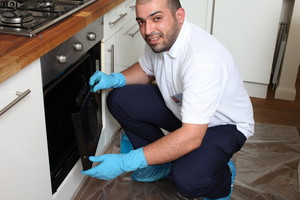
x=199, y=98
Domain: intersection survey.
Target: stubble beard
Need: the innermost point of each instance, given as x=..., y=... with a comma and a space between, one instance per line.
x=170, y=39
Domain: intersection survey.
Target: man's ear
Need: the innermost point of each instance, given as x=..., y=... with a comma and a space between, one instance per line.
x=180, y=14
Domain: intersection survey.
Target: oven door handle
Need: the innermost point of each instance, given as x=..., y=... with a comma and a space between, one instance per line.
x=20, y=95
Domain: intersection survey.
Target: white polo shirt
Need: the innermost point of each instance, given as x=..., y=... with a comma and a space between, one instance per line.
x=200, y=82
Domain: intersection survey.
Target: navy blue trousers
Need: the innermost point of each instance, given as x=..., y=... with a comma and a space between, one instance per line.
x=141, y=111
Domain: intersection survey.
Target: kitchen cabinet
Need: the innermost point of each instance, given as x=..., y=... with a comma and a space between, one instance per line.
x=121, y=47
x=24, y=170
x=128, y=46
x=248, y=29
x=199, y=12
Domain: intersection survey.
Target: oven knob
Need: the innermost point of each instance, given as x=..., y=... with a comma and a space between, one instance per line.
x=62, y=59
x=91, y=36
x=78, y=46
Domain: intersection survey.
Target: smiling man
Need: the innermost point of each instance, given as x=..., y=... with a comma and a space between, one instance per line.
x=199, y=98
x=159, y=27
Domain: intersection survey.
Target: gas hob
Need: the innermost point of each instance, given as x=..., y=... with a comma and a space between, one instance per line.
x=27, y=18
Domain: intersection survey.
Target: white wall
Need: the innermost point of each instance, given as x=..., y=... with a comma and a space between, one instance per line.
x=286, y=88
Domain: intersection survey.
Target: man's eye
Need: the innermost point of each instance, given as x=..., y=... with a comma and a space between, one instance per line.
x=157, y=18
x=140, y=23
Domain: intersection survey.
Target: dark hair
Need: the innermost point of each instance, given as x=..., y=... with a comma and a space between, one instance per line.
x=173, y=5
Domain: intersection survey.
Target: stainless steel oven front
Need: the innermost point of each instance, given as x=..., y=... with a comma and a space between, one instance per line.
x=72, y=112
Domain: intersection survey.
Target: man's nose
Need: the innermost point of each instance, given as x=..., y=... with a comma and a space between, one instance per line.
x=149, y=28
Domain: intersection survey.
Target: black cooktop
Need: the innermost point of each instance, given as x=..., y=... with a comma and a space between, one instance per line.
x=27, y=18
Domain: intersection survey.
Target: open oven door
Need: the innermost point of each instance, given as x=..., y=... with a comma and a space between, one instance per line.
x=87, y=126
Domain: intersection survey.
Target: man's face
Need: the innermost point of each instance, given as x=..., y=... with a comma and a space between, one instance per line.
x=158, y=26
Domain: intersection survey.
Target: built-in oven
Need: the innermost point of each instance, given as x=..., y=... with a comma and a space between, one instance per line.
x=72, y=111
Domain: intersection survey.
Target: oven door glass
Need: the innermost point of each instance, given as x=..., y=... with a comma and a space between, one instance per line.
x=86, y=126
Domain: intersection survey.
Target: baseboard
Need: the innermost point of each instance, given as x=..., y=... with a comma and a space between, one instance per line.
x=257, y=90
x=285, y=93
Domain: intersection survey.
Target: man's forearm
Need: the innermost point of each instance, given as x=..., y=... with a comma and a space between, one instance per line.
x=176, y=144
x=135, y=75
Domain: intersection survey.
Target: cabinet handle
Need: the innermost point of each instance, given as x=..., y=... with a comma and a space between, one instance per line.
x=112, y=51
x=114, y=22
x=20, y=95
x=133, y=34
x=132, y=7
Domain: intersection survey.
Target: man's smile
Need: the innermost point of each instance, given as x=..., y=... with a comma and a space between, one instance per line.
x=154, y=38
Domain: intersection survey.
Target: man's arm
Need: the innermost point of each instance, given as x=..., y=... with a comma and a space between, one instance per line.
x=168, y=148
x=136, y=75
x=175, y=144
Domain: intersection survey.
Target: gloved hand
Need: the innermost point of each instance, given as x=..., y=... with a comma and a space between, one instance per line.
x=104, y=81
x=114, y=165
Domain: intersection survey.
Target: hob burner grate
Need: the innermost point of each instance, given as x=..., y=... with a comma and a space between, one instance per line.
x=16, y=17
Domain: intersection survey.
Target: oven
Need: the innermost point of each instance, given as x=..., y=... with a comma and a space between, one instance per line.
x=72, y=112
x=29, y=17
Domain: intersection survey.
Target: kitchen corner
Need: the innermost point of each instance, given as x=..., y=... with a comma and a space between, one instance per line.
x=17, y=52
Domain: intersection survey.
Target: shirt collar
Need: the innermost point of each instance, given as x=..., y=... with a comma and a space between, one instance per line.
x=175, y=49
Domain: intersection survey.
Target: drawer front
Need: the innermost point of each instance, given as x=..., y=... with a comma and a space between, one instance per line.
x=130, y=9
x=118, y=17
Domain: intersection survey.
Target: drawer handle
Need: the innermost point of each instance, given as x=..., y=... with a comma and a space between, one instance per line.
x=133, y=34
x=20, y=95
x=113, y=23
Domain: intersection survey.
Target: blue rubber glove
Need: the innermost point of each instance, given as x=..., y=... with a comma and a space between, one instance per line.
x=125, y=144
x=114, y=165
x=100, y=81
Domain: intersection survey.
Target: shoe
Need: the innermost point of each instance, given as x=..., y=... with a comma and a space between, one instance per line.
x=125, y=144
x=233, y=172
x=151, y=173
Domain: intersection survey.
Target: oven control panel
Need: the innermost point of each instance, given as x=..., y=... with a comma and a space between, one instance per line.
x=63, y=56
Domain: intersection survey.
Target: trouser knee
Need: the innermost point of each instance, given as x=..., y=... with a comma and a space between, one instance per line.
x=113, y=99
x=193, y=187
x=202, y=185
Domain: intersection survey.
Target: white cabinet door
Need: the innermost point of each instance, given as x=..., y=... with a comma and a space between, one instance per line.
x=24, y=169
x=129, y=45
x=110, y=125
x=248, y=29
x=119, y=50
x=199, y=12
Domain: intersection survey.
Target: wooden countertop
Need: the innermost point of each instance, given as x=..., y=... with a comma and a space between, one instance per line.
x=16, y=52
